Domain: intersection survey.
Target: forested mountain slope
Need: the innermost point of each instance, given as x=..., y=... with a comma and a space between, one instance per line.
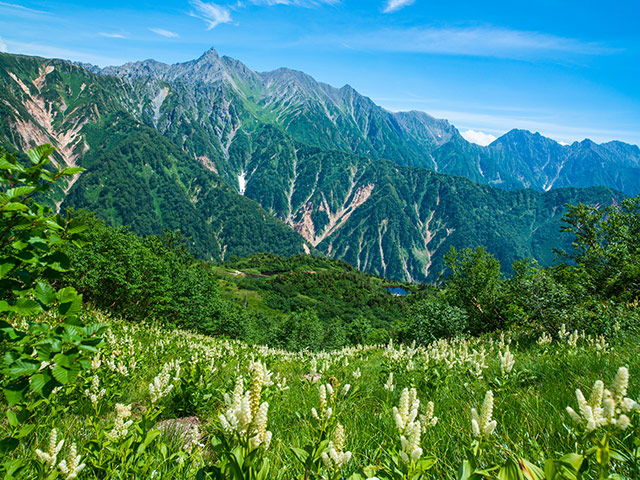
x=188, y=147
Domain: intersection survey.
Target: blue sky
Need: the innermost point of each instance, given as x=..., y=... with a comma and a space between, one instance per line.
x=568, y=69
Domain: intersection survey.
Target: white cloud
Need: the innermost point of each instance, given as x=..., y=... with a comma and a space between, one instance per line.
x=477, y=41
x=20, y=8
x=211, y=13
x=112, y=35
x=394, y=5
x=164, y=33
x=479, y=138
x=3, y=46
x=50, y=51
x=297, y=3
x=566, y=132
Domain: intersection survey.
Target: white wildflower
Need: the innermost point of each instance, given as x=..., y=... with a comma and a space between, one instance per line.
x=121, y=427
x=507, y=361
x=483, y=425
x=389, y=385
x=50, y=457
x=72, y=467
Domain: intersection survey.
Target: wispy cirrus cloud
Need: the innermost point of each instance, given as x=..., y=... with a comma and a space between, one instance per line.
x=50, y=51
x=394, y=5
x=3, y=46
x=112, y=35
x=476, y=41
x=22, y=9
x=296, y=3
x=164, y=33
x=212, y=13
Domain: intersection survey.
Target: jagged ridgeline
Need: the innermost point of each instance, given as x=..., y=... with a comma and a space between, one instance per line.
x=194, y=146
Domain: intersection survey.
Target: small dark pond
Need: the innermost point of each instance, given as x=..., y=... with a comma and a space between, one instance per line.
x=397, y=291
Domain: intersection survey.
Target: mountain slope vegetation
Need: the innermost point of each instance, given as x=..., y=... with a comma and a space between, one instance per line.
x=189, y=146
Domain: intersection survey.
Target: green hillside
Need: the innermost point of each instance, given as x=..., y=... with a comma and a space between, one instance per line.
x=104, y=373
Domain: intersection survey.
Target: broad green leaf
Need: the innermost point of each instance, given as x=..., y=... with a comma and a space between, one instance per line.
x=66, y=375
x=15, y=390
x=12, y=418
x=8, y=444
x=27, y=307
x=23, y=367
x=6, y=266
x=19, y=191
x=510, y=471
x=40, y=153
x=45, y=293
x=300, y=454
x=43, y=384
x=72, y=170
x=530, y=471
x=15, y=207
x=25, y=430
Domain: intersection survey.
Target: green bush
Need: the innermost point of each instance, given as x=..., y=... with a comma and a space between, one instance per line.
x=434, y=318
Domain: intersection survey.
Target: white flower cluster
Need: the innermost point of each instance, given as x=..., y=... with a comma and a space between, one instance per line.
x=245, y=415
x=336, y=456
x=545, y=339
x=121, y=427
x=70, y=467
x=507, y=361
x=95, y=393
x=410, y=429
x=483, y=425
x=161, y=385
x=605, y=407
x=73, y=467
x=389, y=385
x=50, y=457
x=325, y=411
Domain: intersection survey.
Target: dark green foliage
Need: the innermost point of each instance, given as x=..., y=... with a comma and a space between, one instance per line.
x=138, y=178
x=539, y=298
x=300, y=330
x=475, y=285
x=43, y=339
x=149, y=278
x=352, y=307
x=606, y=249
x=432, y=319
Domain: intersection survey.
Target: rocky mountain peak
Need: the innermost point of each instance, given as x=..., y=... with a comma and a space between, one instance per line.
x=210, y=55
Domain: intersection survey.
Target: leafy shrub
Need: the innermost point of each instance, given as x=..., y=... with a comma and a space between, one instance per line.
x=435, y=318
x=45, y=344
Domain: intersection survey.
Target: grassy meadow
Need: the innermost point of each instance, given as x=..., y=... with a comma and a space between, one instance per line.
x=192, y=373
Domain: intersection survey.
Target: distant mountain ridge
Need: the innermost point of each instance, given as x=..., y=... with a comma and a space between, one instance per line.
x=340, y=118
x=166, y=146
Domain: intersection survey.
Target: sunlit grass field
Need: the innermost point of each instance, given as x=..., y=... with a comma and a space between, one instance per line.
x=533, y=380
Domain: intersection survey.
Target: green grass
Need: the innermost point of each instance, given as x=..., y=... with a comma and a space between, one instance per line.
x=529, y=407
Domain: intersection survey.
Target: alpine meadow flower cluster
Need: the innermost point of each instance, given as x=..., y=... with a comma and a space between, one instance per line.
x=245, y=417
x=336, y=456
x=483, y=425
x=605, y=407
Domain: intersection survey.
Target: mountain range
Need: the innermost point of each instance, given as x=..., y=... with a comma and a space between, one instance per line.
x=241, y=161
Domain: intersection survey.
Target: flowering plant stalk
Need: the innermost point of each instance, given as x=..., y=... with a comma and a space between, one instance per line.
x=243, y=438
x=325, y=455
